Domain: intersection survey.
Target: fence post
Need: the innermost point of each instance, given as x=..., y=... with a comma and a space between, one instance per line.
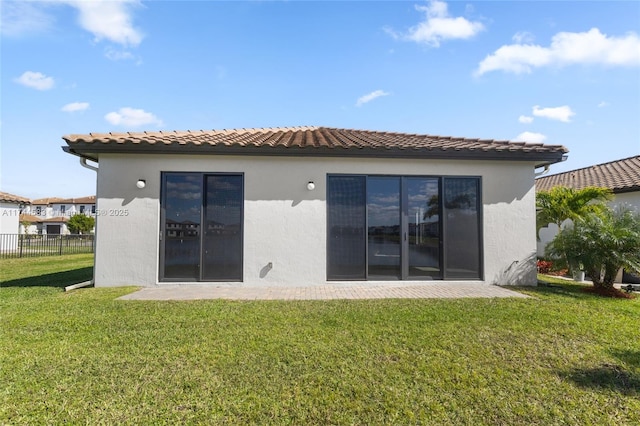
x=21, y=242
x=60, y=244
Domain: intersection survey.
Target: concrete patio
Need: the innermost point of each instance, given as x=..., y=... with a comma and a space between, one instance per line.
x=325, y=292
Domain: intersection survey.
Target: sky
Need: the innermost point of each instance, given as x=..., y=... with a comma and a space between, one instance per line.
x=555, y=72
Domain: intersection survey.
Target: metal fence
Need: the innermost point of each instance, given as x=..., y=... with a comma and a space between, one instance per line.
x=20, y=245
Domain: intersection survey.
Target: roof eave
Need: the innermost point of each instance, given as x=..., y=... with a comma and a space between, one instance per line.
x=92, y=152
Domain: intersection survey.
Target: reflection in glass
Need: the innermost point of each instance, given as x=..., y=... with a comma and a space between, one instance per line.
x=222, y=240
x=346, y=225
x=383, y=214
x=423, y=210
x=462, y=228
x=182, y=200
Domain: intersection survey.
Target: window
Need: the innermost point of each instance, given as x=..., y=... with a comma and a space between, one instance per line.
x=93, y=209
x=82, y=209
x=38, y=210
x=63, y=209
x=403, y=227
x=201, y=227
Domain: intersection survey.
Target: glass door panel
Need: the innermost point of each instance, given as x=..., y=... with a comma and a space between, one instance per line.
x=222, y=233
x=181, y=233
x=423, y=211
x=384, y=228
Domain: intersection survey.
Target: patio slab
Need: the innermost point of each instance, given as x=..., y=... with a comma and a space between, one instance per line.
x=324, y=292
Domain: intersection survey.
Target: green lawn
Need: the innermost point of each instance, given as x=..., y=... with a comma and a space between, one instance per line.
x=83, y=357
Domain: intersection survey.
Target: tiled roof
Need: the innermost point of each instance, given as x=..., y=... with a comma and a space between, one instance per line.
x=59, y=219
x=619, y=176
x=91, y=199
x=314, y=141
x=47, y=201
x=29, y=218
x=5, y=197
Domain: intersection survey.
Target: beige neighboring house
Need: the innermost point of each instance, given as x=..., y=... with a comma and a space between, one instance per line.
x=622, y=177
x=309, y=206
x=10, y=208
x=49, y=216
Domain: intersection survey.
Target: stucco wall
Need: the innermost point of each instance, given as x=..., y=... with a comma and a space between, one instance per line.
x=9, y=218
x=285, y=224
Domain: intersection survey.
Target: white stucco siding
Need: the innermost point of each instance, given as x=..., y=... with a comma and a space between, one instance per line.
x=284, y=223
x=9, y=218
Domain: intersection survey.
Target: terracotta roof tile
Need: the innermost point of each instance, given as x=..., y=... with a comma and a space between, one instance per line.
x=619, y=176
x=91, y=199
x=29, y=218
x=47, y=201
x=315, y=140
x=5, y=197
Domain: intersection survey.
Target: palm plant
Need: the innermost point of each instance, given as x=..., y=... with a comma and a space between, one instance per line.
x=560, y=204
x=603, y=243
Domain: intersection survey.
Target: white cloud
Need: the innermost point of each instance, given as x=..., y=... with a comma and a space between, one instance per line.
x=35, y=80
x=108, y=19
x=371, y=96
x=523, y=37
x=132, y=117
x=19, y=18
x=591, y=47
x=75, y=106
x=531, y=137
x=603, y=104
x=525, y=119
x=438, y=26
x=561, y=113
x=117, y=55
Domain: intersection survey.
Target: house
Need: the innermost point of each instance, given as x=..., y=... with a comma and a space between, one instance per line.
x=622, y=177
x=306, y=206
x=50, y=215
x=10, y=206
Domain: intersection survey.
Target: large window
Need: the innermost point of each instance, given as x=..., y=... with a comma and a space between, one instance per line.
x=201, y=235
x=403, y=227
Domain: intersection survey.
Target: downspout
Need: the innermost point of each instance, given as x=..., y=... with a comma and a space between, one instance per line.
x=545, y=171
x=83, y=163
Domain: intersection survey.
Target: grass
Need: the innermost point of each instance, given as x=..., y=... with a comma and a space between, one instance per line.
x=561, y=357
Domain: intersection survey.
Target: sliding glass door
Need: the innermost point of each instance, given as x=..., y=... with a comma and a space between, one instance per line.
x=201, y=235
x=416, y=227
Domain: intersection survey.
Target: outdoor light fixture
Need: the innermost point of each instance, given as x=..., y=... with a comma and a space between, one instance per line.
x=141, y=183
x=311, y=186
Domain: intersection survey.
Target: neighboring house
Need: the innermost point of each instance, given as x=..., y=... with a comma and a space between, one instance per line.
x=310, y=206
x=10, y=206
x=622, y=177
x=50, y=215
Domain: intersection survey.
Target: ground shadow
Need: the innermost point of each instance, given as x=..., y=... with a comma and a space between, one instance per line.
x=615, y=377
x=58, y=279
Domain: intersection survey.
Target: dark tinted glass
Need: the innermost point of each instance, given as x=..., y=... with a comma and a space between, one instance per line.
x=182, y=205
x=423, y=214
x=222, y=233
x=462, y=228
x=383, y=215
x=346, y=227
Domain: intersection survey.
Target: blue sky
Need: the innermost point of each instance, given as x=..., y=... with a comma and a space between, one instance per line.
x=554, y=72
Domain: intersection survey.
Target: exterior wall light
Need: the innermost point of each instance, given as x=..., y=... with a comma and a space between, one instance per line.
x=141, y=183
x=311, y=186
